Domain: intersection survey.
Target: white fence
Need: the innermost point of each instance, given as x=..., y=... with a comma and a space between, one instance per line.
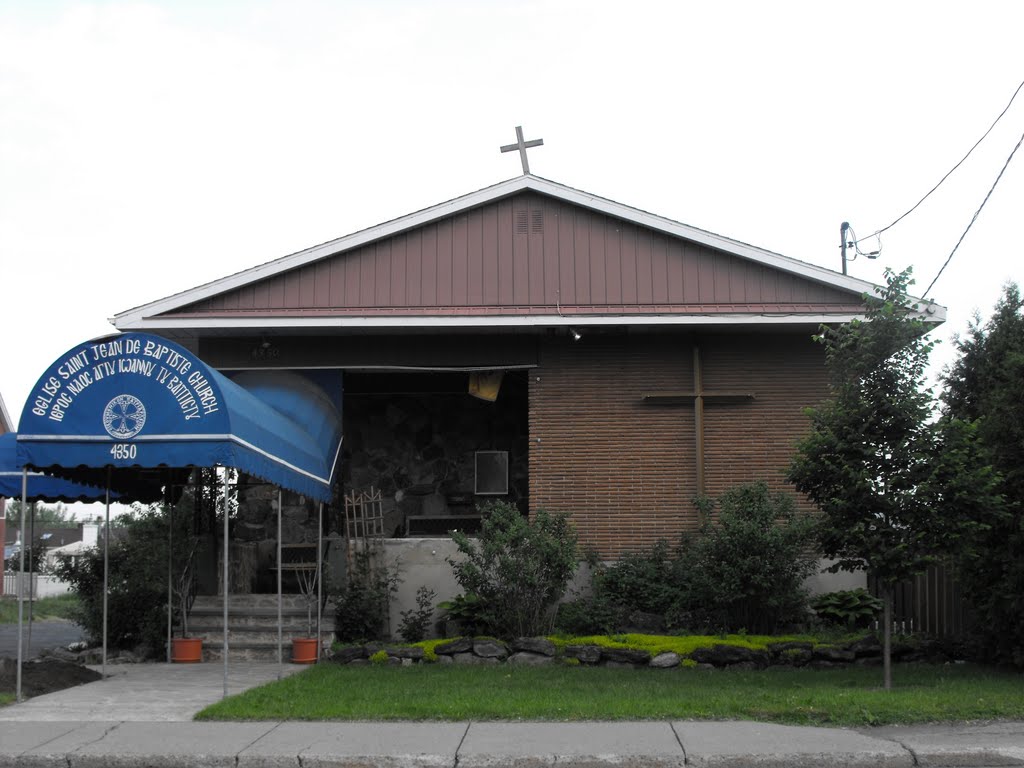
x=36, y=586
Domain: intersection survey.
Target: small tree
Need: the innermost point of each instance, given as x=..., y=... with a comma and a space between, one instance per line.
x=895, y=490
x=519, y=568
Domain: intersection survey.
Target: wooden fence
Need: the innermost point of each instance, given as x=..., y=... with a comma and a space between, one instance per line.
x=931, y=603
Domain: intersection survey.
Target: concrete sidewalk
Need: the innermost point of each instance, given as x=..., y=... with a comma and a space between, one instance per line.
x=495, y=745
x=141, y=716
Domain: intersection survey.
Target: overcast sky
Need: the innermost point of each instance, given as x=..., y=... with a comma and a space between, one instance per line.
x=149, y=147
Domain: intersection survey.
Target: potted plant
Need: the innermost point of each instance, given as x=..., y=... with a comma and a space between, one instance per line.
x=305, y=650
x=186, y=649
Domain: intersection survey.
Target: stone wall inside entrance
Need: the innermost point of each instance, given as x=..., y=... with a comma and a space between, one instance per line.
x=415, y=437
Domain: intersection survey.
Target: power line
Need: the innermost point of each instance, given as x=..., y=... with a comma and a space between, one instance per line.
x=918, y=203
x=975, y=216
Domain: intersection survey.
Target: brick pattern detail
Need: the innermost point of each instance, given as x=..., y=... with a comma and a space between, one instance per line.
x=625, y=470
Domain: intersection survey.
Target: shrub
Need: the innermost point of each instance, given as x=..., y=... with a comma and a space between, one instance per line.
x=416, y=621
x=137, y=578
x=469, y=611
x=850, y=608
x=643, y=581
x=594, y=615
x=363, y=603
x=638, y=581
x=519, y=568
x=747, y=570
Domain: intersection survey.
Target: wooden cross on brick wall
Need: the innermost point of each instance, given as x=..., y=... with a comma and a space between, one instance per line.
x=698, y=398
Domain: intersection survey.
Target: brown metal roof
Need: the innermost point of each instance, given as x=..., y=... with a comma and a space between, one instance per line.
x=529, y=254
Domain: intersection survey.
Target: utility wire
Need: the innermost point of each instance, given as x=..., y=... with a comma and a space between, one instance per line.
x=1000, y=117
x=975, y=217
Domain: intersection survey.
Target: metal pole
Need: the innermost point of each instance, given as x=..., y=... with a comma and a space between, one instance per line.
x=170, y=573
x=106, y=574
x=32, y=555
x=319, y=574
x=226, y=589
x=280, y=632
x=842, y=241
x=21, y=578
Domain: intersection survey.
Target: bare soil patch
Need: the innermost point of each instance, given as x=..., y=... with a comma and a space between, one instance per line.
x=43, y=676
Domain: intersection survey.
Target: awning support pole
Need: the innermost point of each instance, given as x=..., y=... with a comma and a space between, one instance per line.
x=226, y=586
x=170, y=573
x=319, y=575
x=106, y=574
x=280, y=632
x=21, y=578
x=32, y=555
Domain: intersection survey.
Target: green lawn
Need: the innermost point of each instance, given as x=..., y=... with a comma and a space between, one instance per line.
x=6, y=698
x=850, y=697
x=60, y=607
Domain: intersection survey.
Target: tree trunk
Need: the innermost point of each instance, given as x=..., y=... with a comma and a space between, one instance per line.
x=887, y=637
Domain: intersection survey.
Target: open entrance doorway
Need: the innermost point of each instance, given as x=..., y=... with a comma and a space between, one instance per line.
x=433, y=449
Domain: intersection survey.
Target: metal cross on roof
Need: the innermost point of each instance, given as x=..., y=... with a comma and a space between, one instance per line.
x=522, y=146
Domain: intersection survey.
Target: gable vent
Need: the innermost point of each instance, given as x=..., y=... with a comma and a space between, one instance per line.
x=529, y=221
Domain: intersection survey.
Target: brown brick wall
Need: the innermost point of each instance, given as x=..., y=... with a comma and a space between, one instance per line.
x=626, y=470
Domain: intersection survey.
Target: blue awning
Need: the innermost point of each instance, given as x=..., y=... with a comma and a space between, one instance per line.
x=40, y=487
x=136, y=401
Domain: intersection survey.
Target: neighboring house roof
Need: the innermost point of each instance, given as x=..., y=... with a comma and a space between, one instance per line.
x=525, y=252
x=6, y=425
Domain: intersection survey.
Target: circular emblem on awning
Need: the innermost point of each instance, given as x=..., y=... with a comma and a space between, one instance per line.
x=124, y=417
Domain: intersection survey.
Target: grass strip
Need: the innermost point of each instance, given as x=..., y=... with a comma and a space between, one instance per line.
x=841, y=697
x=57, y=607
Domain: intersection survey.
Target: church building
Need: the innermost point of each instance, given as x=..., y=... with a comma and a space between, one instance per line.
x=538, y=344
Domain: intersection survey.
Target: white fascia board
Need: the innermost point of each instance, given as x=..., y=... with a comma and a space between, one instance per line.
x=494, y=321
x=131, y=319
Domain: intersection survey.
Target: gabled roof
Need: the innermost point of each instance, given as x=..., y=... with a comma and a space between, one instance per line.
x=836, y=297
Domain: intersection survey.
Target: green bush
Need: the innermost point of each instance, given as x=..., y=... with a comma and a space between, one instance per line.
x=469, y=611
x=518, y=568
x=416, y=621
x=747, y=569
x=596, y=614
x=363, y=602
x=644, y=581
x=639, y=581
x=849, y=608
x=743, y=572
x=137, y=577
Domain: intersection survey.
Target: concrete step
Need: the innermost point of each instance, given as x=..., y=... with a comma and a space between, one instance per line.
x=214, y=636
x=242, y=602
x=252, y=625
x=248, y=615
x=250, y=651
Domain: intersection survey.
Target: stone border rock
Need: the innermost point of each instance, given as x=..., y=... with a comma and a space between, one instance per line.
x=537, y=651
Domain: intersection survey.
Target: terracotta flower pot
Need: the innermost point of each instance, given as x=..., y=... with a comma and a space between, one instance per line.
x=186, y=650
x=304, y=650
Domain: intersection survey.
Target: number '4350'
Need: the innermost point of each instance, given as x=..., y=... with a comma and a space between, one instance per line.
x=124, y=450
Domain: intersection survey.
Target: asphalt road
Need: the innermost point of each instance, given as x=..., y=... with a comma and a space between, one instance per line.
x=45, y=634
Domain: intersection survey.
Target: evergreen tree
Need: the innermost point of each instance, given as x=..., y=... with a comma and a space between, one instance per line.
x=986, y=386
x=885, y=476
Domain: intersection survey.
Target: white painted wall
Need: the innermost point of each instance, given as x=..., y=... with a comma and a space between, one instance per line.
x=823, y=581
